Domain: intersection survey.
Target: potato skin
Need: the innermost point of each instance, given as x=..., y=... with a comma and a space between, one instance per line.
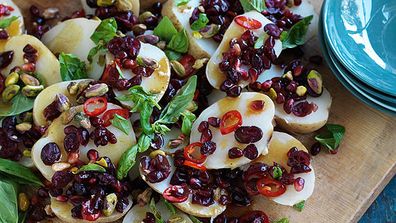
x=299, y=128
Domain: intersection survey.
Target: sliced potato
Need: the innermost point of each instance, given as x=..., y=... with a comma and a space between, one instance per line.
x=307, y=124
x=63, y=211
x=307, y=9
x=262, y=119
x=17, y=27
x=138, y=213
x=186, y=206
x=74, y=36
x=55, y=134
x=180, y=16
x=157, y=83
x=172, y=135
x=122, y=5
x=46, y=97
x=279, y=145
x=215, y=76
x=47, y=65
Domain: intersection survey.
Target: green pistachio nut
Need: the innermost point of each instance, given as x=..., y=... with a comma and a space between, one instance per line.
x=10, y=92
x=96, y=90
x=209, y=31
x=13, y=78
x=178, y=68
x=109, y=204
x=144, y=16
x=29, y=80
x=315, y=82
x=72, y=88
x=105, y=3
x=32, y=91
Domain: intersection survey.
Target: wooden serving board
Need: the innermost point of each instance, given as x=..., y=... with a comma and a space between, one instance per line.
x=346, y=183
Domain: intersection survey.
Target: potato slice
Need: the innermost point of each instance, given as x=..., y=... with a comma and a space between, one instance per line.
x=307, y=124
x=138, y=213
x=180, y=16
x=262, y=119
x=215, y=76
x=279, y=145
x=307, y=9
x=17, y=27
x=55, y=134
x=63, y=211
x=74, y=36
x=47, y=65
x=122, y=5
x=46, y=97
x=157, y=83
x=186, y=206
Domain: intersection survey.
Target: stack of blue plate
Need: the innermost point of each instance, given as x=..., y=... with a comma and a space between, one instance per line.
x=358, y=39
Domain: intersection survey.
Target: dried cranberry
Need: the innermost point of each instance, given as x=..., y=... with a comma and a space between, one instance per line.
x=208, y=148
x=206, y=135
x=61, y=179
x=6, y=59
x=214, y=121
x=50, y=153
x=250, y=152
x=203, y=126
x=272, y=30
x=315, y=148
x=203, y=197
x=156, y=169
x=248, y=134
x=299, y=184
x=71, y=143
x=254, y=217
x=303, y=109
x=235, y=153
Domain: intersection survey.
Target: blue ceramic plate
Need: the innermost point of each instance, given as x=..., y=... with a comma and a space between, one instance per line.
x=362, y=35
x=360, y=95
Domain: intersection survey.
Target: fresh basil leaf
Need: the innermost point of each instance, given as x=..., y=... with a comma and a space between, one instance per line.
x=296, y=35
x=277, y=172
x=179, y=42
x=165, y=29
x=169, y=206
x=122, y=124
x=100, y=48
x=182, y=2
x=22, y=217
x=187, y=120
x=71, y=67
x=18, y=105
x=332, y=138
x=200, y=22
x=155, y=212
x=105, y=32
x=172, y=55
x=9, y=201
x=92, y=167
x=179, y=102
x=16, y=170
x=250, y=5
x=283, y=220
x=128, y=158
x=194, y=219
x=299, y=206
x=4, y=23
x=260, y=41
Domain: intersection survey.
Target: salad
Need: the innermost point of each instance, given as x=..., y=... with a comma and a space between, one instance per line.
x=170, y=111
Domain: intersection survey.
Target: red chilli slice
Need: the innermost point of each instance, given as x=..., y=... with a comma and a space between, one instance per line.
x=270, y=187
x=95, y=106
x=230, y=122
x=248, y=23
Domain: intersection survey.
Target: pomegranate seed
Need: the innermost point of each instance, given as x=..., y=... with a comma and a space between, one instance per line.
x=73, y=158
x=93, y=155
x=266, y=85
x=61, y=198
x=315, y=149
x=299, y=184
x=206, y=135
x=203, y=126
x=29, y=67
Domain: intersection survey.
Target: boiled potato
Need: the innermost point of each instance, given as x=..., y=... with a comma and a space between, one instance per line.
x=47, y=65
x=17, y=27
x=122, y=5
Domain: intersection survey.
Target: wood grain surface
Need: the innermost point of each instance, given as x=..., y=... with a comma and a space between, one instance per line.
x=346, y=183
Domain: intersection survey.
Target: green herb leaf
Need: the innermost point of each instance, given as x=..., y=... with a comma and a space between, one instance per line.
x=200, y=22
x=179, y=42
x=172, y=55
x=283, y=220
x=18, y=105
x=100, y=48
x=128, y=158
x=155, y=212
x=22, y=173
x=170, y=206
x=71, y=67
x=260, y=41
x=331, y=139
x=250, y=5
x=277, y=172
x=182, y=2
x=105, y=32
x=187, y=120
x=4, y=23
x=194, y=219
x=122, y=124
x=296, y=35
x=165, y=29
x=299, y=206
x=9, y=201
x=92, y=167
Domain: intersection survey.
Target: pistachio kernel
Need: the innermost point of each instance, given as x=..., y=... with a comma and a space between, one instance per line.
x=272, y=94
x=68, y=115
x=288, y=75
x=161, y=44
x=10, y=92
x=102, y=162
x=139, y=29
x=83, y=120
x=96, y=90
x=124, y=5
x=156, y=153
x=315, y=82
x=60, y=166
x=63, y=102
x=26, y=117
x=199, y=63
x=23, y=202
x=209, y=31
x=144, y=16
x=301, y=90
x=178, y=68
x=27, y=153
x=29, y=80
x=13, y=78
x=72, y=88
x=23, y=127
x=105, y=3
x=32, y=91
x=148, y=38
x=110, y=204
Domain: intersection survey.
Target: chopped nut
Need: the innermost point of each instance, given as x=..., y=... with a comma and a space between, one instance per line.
x=105, y=3
x=63, y=102
x=48, y=210
x=60, y=166
x=68, y=115
x=139, y=29
x=23, y=127
x=13, y=78
x=178, y=68
x=144, y=16
x=27, y=117
x=32, y=91
x=124, y=5
x=198, y=64
x=156, y=153
x=174, y=143
x=301, y=90
x=110, y=204
x=83, y=120
x=209, y=31
x=288, y=75
x=27, y=153
x=96, y=90
x=23, y=202
x=161, y=44
x=272, y=94
x=10, y=92
x=72, y=88
x=148, y=38
x=144, y=197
